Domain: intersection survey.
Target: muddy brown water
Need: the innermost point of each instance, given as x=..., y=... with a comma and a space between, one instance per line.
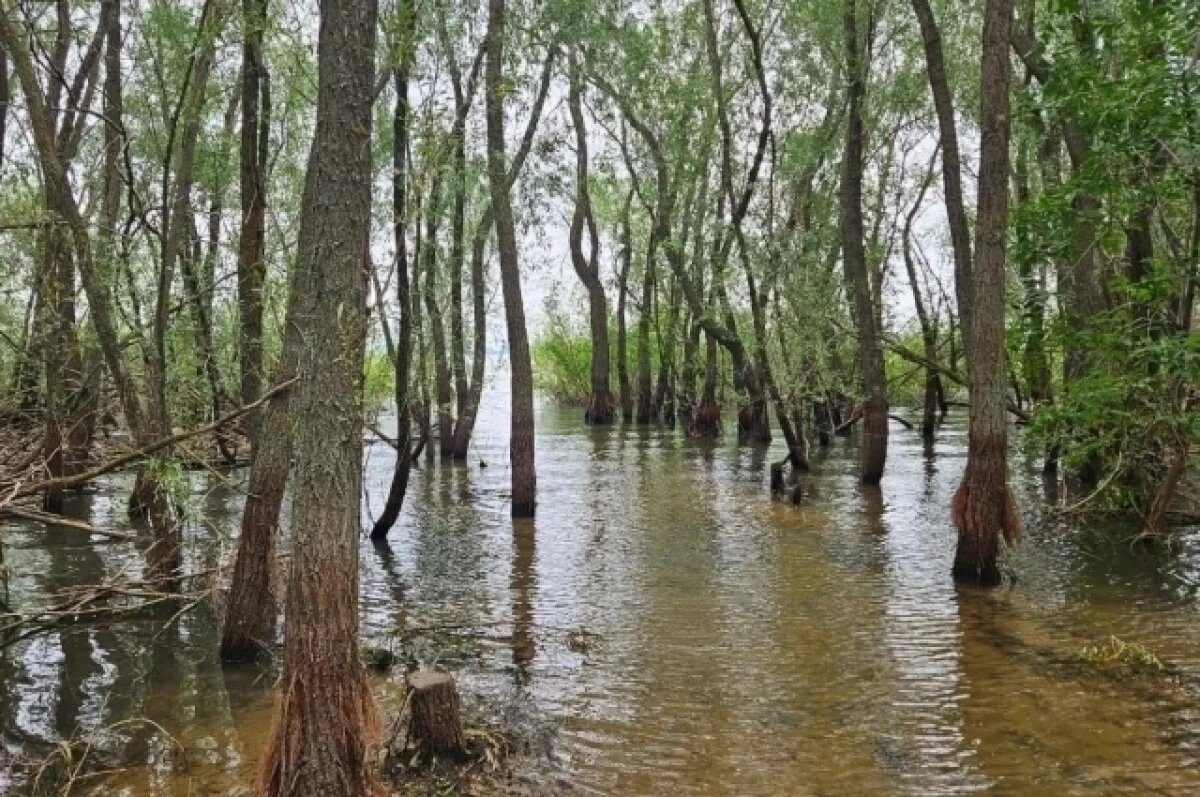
x=663, y=626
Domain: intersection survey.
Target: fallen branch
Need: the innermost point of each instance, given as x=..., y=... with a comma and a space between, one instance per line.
x=51, y=519
x=133, y=456
x=904, y=353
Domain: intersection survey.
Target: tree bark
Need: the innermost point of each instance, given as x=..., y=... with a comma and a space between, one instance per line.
x=854, y=261
x=404, y=342
x=466, y=419
x=521, y=450
x=253, y=606
x=943, y=103
x=436, y=718
x=443, y=389
x=983, y=508
x=587, y=267
x=623, y=385
x=928, y=329
x=326, y=718
x=251, y=263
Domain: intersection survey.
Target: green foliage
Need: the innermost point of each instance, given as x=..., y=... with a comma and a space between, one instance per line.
x=1130, y=408
x=1115, y=655
x=379, y=381
x=562, y=358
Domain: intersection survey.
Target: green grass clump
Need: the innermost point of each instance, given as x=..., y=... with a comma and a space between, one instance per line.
x=1114, y=653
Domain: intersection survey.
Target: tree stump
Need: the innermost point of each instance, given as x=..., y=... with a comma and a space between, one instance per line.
x=436, y=724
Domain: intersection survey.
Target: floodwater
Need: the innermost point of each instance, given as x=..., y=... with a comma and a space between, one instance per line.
x=664, y=627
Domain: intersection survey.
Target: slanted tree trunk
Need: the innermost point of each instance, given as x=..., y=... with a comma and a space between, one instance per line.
x=251, y=263
x=520, y=448
x=253, y=606
x=404, y=340
x=587, y=267
x=326, y=718
x=41, y=108
x=1080, y=289
x=854, y=260
x=983, y=507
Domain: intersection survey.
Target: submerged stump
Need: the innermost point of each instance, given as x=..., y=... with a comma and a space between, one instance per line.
x=436, y=721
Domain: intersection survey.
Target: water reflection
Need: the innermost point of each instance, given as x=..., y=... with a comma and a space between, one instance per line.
x=524, y=583
x=682, y=630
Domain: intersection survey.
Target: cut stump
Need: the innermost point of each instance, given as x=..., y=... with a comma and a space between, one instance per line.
x=436, y=721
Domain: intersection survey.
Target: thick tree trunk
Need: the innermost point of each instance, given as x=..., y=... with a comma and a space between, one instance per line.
x=326, y=718
x=521, y=452
x=854, y=260
x=983, y=507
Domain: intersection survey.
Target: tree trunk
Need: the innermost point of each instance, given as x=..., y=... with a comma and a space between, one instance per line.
x=521, y=453
x=436, y=718
x=983, y=507
x=466, y=420
x=443, y=389
x=707, y=421
x=600, y=404
x=943, y=103
x=326, y=718
x=404, y=342
x=253, y=607
x=644, y=398
x=854, y=260
x=251, y=263
x=626, y=392
x=462, y=107
x=928, y=330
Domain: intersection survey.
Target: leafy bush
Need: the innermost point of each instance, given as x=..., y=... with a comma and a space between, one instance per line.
x=562, y=359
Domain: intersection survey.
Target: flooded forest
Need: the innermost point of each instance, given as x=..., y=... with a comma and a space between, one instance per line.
x=538, y=397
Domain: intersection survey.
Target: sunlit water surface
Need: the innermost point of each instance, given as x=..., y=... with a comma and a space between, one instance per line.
x=663, y=627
